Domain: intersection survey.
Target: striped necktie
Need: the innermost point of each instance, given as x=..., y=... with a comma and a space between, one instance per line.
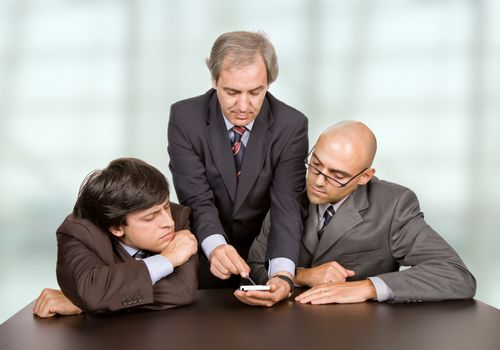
x=238, y=147
x=327, y=216
x=140, y=254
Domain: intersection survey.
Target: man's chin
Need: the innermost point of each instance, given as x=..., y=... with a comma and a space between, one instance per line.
x=241, y=120
x=161, y=247
x=316, y=200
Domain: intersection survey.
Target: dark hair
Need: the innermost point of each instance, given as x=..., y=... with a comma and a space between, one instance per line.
x=107, y=196
x=240, y=48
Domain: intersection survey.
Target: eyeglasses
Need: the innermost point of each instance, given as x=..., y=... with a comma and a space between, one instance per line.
x=328, y=178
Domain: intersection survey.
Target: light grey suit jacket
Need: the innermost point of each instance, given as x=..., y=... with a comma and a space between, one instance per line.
x=375, y=231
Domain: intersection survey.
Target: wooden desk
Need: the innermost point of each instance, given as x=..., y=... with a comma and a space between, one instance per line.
x=219, y=321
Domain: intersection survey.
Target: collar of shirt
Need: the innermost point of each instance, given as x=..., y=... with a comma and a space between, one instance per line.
x=246, y=135
x=322, y=208
x=129, y=249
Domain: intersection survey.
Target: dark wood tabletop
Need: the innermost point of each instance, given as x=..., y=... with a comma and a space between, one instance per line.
x=219, y=321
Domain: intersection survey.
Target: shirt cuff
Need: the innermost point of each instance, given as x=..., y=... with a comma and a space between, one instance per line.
x=281, y=264
x=158, y=267
x=384, y=292
x=212, y=242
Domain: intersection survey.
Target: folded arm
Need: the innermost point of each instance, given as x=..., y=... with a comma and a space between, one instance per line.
x=436, y=271
x=95, y=285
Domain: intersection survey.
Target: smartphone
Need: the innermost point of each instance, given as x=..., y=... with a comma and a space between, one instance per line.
x=256, y=287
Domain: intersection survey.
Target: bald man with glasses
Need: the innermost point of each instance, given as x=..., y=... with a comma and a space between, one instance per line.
x=360, y=231
x=313, y=169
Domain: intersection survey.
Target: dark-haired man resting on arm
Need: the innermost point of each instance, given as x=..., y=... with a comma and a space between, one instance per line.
x=125, y=246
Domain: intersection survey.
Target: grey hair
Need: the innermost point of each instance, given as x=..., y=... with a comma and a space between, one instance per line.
x=240, y=48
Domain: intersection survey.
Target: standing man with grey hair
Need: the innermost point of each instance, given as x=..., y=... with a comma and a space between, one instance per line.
x=236, y=152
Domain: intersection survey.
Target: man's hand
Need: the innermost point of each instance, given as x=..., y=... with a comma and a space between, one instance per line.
x=225, y=261
x=339, y=292
x=279, y=291
x=52, y=302
x=180, y=248
x=328, y=272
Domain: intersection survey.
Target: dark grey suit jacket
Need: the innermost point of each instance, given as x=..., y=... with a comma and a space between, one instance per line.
x=96, y=273
x=272, y=177
x=375, y=231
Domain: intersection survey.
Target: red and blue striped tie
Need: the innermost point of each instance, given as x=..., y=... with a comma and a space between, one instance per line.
x=238, y=147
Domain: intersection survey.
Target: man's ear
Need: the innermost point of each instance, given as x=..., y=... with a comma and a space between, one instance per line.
x=214, y=84
x=367, y=176
x=117, y=231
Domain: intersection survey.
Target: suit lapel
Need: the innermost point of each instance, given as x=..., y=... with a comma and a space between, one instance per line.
x=310, y=236
x=220, y=146
x=255, y=153
x=344, y=219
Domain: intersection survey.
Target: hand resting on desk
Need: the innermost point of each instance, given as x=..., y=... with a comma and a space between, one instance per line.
x=339, y=292
x=52, y=302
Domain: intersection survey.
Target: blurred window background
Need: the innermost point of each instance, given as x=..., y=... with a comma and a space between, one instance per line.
x=84, y=82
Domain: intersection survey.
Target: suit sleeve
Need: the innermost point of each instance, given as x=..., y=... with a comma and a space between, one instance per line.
x=436, y=272
x=97, y=287
x=178, y=288
x=288, y=196
x=94, y=286
x=190, y=179
x=257, y=254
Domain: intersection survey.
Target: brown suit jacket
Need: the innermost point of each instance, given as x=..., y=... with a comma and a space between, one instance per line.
x=98, y=275
x=272, y=176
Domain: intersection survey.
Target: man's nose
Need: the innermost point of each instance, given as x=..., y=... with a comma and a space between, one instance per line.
x=319, y=179
x=243, y=103
x=166, y=219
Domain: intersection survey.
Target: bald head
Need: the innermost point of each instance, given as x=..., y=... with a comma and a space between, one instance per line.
x=340, y=162
x=352, y=139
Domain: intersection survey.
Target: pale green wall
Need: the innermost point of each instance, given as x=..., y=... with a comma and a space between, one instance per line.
x=83, y=82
